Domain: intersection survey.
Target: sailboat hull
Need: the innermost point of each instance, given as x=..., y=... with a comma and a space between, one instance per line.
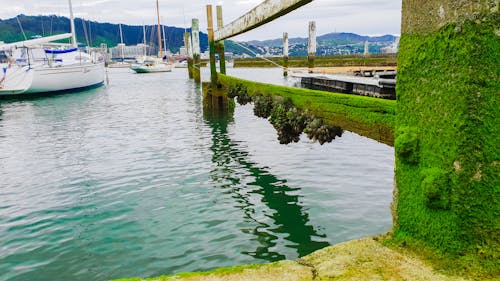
x=66, y=78
x=29, y=81
x=141, y=68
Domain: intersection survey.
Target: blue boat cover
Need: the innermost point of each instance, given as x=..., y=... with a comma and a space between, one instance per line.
x=60, y=51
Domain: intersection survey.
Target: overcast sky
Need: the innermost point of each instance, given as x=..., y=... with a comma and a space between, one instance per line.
x=365, y=17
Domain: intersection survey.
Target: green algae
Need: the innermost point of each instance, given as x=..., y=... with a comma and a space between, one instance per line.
x=447, y=145
x=363, y=259
x=289, y=270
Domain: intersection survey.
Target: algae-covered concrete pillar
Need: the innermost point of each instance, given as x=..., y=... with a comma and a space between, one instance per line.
x=447, y=131
x=220, y=44
x=211, y=45
x=195, y=31
x=311, y=47
x=285, y=54
x=189, y=53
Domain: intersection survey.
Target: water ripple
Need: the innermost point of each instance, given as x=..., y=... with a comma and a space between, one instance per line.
x=135, y=180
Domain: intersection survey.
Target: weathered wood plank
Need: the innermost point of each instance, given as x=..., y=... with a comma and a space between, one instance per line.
x=265, y=12
x=220, y=45
x=211, y=45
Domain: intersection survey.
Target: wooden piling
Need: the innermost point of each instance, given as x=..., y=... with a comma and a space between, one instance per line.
x=220, y=44
x=285, y=54
x=195, y=33
x=311, y=50
x=187, y=44
x=211, y=44
x=215, y=99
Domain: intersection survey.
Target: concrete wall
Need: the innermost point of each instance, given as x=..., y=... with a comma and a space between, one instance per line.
x=448, y=129
x=423, y=16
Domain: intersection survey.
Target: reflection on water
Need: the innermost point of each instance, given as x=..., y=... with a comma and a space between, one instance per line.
x=284, y=208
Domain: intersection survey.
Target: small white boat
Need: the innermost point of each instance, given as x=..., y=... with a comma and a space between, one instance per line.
x=151, y=65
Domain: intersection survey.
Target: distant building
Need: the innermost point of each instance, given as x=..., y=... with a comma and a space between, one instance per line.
x=128, y=52
x=391, y=49
x=183, y=51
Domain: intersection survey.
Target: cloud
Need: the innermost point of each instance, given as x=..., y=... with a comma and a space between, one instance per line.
x=368, y=17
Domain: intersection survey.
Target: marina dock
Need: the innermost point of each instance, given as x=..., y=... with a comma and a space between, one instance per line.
x=379, y=84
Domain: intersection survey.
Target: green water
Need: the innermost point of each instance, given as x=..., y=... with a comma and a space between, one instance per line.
x=134, y=179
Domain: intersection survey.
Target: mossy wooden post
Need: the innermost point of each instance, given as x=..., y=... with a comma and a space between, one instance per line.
x=285, y=54
x=311, y=47
x=211, y=45
x=220, y=44
x=214, y=97
x=187, y=44
x=448, y=130
x=195, y=33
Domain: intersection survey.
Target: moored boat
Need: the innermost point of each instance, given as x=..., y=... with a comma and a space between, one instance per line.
x=151, y=65
x=33, y=69
x=38, y=66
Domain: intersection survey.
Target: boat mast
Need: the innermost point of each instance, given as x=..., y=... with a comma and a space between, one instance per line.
x=144, y=39
x=72, y=24
x=121, y=33
x=164, y=36
x=121, y=41
x=159, y=29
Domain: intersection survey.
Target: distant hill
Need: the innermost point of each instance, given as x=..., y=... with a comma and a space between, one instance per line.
x=327, y=44
x=95, y=32
x=330, y=38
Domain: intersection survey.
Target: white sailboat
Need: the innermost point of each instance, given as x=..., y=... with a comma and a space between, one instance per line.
x=38, y=66
x=153, y=64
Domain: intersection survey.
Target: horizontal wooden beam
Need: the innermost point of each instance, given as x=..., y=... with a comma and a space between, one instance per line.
x=265, y=12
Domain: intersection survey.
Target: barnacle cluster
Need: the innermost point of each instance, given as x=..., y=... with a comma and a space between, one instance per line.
x=322, y=133
x=288, y=120
x=263, y=105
